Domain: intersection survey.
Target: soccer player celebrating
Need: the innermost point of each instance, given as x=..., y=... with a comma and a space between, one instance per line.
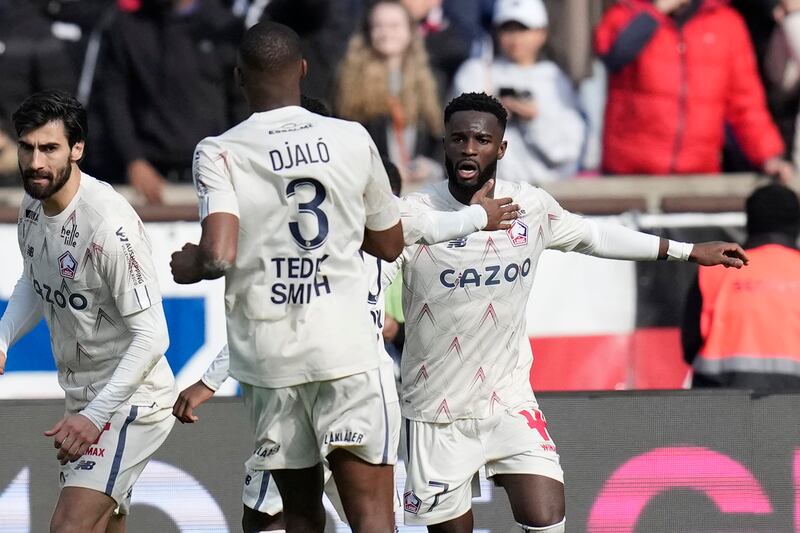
x=87, y=269
x=287, y=199
x=260, y=496
x=465, y=394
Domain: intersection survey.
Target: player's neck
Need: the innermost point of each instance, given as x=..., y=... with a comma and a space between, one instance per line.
x=267, y=100
x=269, y=105
x=56, y=203
x=463, y=195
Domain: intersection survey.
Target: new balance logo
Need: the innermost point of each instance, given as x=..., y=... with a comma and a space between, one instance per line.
x=457, y=243
x=84, y=465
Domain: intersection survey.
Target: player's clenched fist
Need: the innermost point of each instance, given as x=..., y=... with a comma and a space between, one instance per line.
x=718, y=253
x=2, y=362
x=72, y=436
x=190, y=398
x=499, y=211
x=184, y=264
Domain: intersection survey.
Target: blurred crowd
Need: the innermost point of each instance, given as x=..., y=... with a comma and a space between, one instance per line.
x=645, y=87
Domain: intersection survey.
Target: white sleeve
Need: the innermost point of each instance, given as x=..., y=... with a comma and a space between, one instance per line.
x=217, y=371
x=126, y=266
x=424, y=225
x=573, y=233
x=389, y=271
x=614, y=241
x=212, y=181
x=150, y=341
x=566, y=230
x=24, y=311
x=379, y=202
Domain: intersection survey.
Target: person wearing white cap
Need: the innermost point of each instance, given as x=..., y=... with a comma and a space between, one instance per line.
x=546, y=133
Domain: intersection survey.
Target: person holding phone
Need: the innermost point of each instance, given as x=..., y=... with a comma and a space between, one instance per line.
x=546, y=132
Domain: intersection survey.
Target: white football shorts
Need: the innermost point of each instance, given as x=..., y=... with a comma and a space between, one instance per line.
x=443, y=459
x=299, y=426
x=260, y=491
x=116, y=460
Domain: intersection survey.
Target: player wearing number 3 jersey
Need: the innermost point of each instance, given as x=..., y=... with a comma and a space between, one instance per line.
x=301, y=194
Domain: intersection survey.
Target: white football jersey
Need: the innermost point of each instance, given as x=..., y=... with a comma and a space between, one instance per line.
x=467, y=353
x=304, y=187
x=91, y=265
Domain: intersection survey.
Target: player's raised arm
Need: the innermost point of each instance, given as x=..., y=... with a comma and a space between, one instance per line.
x=201, y=391
x=219, y=212
x=383, y=232
x=22, y=314
x=613, y=241
x=385, y=244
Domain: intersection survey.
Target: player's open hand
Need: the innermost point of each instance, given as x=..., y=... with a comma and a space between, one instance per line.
x=2, y=362
x=72, y=436
x=185, y=264
x=500, y=212
x=190, y=398
x=727, y=254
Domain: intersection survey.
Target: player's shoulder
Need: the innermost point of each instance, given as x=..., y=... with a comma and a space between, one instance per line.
x=529, y=197
x=215, y=142
x=343, y=126
x=104, y=206
x=432, y=196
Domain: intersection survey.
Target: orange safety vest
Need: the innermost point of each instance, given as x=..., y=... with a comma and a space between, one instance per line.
x=750, y=319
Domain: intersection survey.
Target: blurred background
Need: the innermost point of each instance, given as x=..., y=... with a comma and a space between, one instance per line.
x=663, y=115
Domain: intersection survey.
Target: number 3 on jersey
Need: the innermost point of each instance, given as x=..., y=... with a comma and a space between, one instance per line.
x=308, y=208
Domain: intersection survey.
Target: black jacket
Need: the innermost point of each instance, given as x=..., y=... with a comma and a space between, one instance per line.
x=166, y=82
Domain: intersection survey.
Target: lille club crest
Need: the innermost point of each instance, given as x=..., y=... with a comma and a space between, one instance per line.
x=67, y=265
x=518, y=233
x=411, y=503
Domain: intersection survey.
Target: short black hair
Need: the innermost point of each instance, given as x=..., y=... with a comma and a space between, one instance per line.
x=774, y=208
x=270, y=47
x=477, y=102
x=47, y=106
x=395, y=182
x=315, y=106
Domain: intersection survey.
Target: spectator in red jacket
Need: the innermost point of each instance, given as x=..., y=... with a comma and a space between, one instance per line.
x=679, y=72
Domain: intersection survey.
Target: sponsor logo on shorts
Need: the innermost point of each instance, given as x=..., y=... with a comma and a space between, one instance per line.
x=96, y=452
x=264, y=451
x=84, y=465
x=343, y=437
x=546, y=446
x=411, y=503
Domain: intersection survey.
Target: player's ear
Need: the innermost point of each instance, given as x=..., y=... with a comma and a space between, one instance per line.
x=303, y=69
x=76, y=152
x=501, y=150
